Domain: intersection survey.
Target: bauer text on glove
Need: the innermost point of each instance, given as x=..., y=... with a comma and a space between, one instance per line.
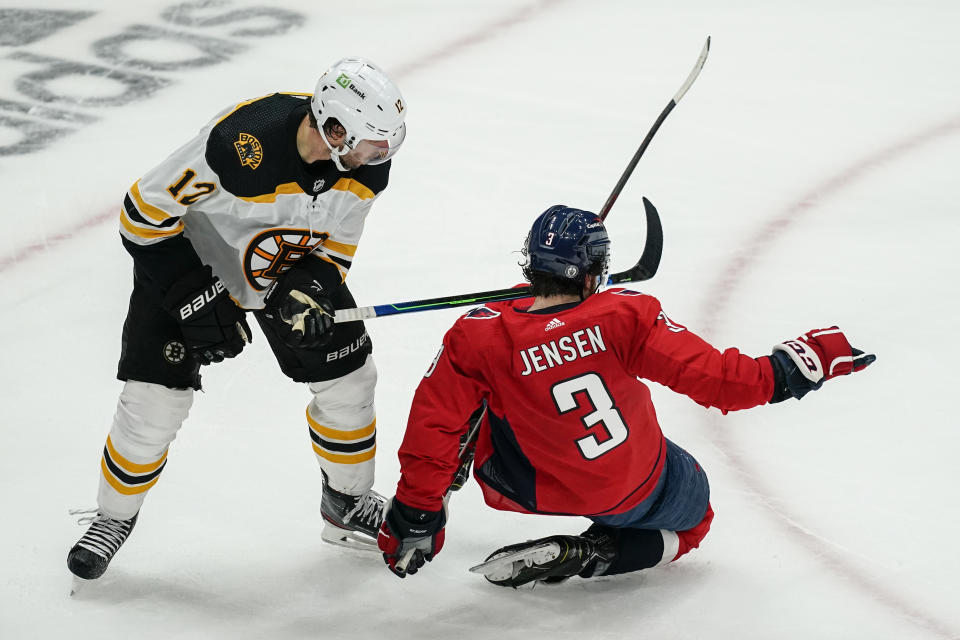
x=213, y=326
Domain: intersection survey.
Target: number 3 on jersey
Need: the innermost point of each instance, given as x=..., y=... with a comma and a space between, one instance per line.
x=605, y=413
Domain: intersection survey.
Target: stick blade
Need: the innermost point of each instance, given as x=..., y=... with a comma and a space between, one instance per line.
x=649, y=262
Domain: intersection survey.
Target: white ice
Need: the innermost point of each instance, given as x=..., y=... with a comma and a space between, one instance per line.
x=808, y=178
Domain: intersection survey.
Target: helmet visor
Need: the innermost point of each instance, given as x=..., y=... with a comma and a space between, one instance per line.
x=372, y=151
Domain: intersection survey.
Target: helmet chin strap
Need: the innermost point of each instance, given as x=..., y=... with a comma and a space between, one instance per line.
x=336, y=160
x=334, y=152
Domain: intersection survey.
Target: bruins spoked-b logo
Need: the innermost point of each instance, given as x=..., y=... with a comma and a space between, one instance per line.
x=174, y=352
x=249, y=150
x=272, y=252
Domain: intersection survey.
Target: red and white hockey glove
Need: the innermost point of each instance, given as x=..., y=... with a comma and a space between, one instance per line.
x=813, y=358
x=409, y=537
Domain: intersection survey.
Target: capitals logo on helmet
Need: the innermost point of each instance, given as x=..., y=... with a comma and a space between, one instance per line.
x=568, y=243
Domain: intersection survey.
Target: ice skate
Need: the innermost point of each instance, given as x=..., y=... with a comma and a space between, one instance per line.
x=548, y=560
x=91, y=555
x=352, y=521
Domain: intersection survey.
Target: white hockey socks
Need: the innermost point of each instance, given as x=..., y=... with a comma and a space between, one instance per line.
x=147, y=420
x=343, y=428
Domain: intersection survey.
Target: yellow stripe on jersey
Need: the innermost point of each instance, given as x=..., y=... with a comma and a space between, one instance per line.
x=354, y=187
x=133, y=467
x=154, y=213
x=149, y=234
x=251, y=101
x=340, y=434
x=242, y=104
x=345, y=458
x=339, y=247
x=292, y=188
x=288, y=188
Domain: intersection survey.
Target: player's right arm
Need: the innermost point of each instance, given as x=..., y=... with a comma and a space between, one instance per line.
x=151, y=228
x=151, y=224
x=445, y=399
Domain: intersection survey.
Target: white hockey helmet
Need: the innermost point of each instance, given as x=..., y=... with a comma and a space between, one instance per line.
x=367, y=104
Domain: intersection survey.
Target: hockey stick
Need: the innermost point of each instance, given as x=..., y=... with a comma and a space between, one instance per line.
x=645, y=268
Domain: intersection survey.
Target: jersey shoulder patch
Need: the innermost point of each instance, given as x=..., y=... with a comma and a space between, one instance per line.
x=481, y=313
x=626, y=292
x=250, y=147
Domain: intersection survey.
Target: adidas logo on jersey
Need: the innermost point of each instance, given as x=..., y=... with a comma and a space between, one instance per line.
x=554, y=324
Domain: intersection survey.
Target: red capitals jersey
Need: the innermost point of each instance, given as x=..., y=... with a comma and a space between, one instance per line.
x=570, y=429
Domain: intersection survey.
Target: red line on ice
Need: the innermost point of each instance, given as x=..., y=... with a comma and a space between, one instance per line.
x=716, y=305
x=49, y=243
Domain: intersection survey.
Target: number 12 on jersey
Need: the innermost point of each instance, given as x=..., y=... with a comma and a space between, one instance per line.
x=605, y=413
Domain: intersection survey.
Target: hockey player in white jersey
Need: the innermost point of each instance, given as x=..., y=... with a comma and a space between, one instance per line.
x=261, y=212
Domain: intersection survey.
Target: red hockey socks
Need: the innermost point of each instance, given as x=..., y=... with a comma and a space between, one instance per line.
x=690, y=539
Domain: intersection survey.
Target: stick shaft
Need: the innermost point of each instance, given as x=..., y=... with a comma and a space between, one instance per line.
x=645, y=268
x=653, y=130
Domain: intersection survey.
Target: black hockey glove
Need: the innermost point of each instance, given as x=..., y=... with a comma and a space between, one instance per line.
x=409, y=537
x=303, y=315
x=213, y=326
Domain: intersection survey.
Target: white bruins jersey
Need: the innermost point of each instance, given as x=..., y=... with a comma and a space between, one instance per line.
x=249, y=205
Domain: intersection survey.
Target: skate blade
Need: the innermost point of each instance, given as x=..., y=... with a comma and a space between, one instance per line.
x=506, y=566
x=77, y=585
x=349, y=539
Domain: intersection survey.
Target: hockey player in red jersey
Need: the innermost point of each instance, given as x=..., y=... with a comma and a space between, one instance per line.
x=569, y=427
x=260, y=212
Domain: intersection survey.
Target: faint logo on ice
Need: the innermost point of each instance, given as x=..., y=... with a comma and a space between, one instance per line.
x=55, y=96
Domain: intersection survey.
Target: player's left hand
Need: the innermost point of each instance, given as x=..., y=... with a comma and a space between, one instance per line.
x=410, y=537
x=305, y=313
x=819, y=355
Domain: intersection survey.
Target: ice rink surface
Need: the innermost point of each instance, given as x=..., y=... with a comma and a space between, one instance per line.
x=808, y=178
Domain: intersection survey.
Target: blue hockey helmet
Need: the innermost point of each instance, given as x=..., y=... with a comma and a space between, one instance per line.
x=568, y=243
